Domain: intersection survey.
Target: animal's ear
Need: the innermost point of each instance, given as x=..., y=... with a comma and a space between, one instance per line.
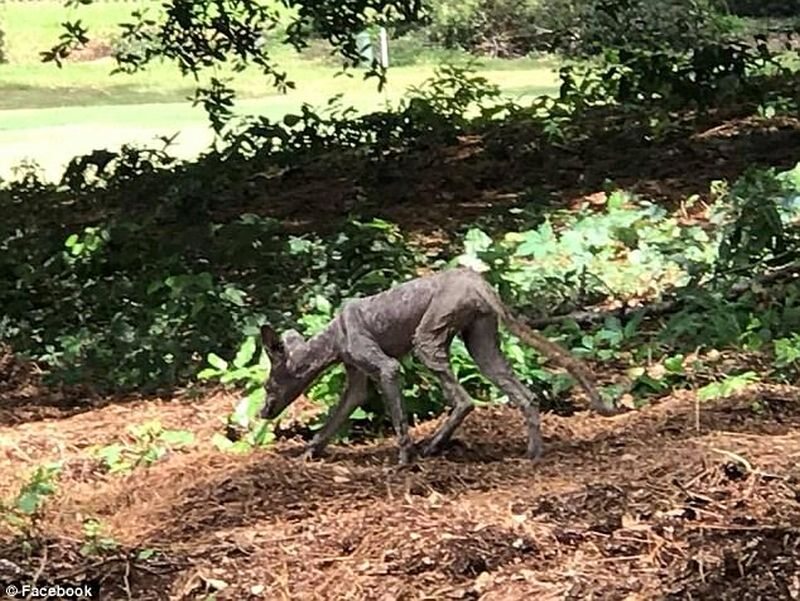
x=271, y=341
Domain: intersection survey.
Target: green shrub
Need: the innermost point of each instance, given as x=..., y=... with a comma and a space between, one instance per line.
x=765, y=8
x=500, y=28
x=590, y=27
x=507, y=28
x=3, y=51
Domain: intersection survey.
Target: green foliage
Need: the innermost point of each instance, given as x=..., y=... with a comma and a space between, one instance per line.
x=633, y=249
x=238, y=370
x=499, y=28
x=576, y=28
x=132, y=301
x=3, y=50
x=765, y=8
x=591, y=27
x=22, y=511
x=787, y=356
x=777, y=105
x=95, y=542
x=727, y=387
x=150, y=443
x=707, y=74
x=634, y=252
x=243, y=374
x=437, y=110
x=754, y=216
x=201, y=37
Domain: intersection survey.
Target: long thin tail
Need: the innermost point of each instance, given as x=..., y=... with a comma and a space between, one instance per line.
x=577, y=368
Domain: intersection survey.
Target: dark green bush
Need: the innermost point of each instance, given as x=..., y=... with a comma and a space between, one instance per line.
x=500, y=28
x=590, y=27
x=507, y=28
x=765, y=8
x=3, y=51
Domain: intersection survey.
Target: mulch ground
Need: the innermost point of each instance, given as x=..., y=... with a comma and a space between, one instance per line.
x=660, y=503
x=673, y=501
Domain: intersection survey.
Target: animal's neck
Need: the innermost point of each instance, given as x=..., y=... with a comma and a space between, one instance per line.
x=321, y=353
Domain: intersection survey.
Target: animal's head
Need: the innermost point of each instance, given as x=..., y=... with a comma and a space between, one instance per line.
x=288, y=371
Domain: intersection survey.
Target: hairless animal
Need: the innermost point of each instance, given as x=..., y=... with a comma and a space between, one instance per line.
x=369, y=336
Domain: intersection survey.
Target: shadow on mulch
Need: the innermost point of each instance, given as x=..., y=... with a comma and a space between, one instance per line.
x=437, y=191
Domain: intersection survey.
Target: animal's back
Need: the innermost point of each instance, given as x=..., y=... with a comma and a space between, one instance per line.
x=391, y=317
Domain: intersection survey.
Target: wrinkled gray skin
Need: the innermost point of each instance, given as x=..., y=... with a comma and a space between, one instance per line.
x=423, y=315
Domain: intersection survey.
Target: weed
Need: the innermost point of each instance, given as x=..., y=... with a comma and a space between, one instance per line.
x=151, y=443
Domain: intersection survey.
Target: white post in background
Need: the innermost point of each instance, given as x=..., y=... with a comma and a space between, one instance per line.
x=384, y=43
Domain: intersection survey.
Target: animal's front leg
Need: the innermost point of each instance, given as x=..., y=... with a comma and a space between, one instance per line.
x=389, y=378
x=354, y=395
x=368, y=356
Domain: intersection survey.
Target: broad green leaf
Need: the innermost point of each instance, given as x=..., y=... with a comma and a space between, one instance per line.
x=216, y=361
x=245, y=353
x=222, y=443
x=291, y=120
x=111, y=454
x=727, y=387
x=208, y=373
x=177, y=437
x=359, y=414
x=652, y=383
x=674, y=364
x=28, y=502
x=538, y=242
x=241, y=447
x=476, y=241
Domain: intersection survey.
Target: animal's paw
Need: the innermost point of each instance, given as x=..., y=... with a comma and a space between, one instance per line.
x=407, y=455
x=311, y=454
x=426, y=448
x=534, y=451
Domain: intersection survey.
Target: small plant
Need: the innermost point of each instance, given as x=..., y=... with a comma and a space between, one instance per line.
x=151, y=442
x=727, y=387
x=22, y=511
x=95, y=542
x=787, y=355
x=780, y=105
x=83, y=246
x=240, y=371
x=243, y=424
x=659, y=377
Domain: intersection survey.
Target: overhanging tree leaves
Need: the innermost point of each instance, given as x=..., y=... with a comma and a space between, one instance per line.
x=199, y=36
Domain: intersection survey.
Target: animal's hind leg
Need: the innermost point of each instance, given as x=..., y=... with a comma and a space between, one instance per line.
x=483, y=343
x=431, y=346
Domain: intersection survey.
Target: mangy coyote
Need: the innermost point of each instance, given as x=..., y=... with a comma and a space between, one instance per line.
x=423, y=315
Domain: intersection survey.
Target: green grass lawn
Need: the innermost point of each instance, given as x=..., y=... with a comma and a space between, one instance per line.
x=49, y=114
